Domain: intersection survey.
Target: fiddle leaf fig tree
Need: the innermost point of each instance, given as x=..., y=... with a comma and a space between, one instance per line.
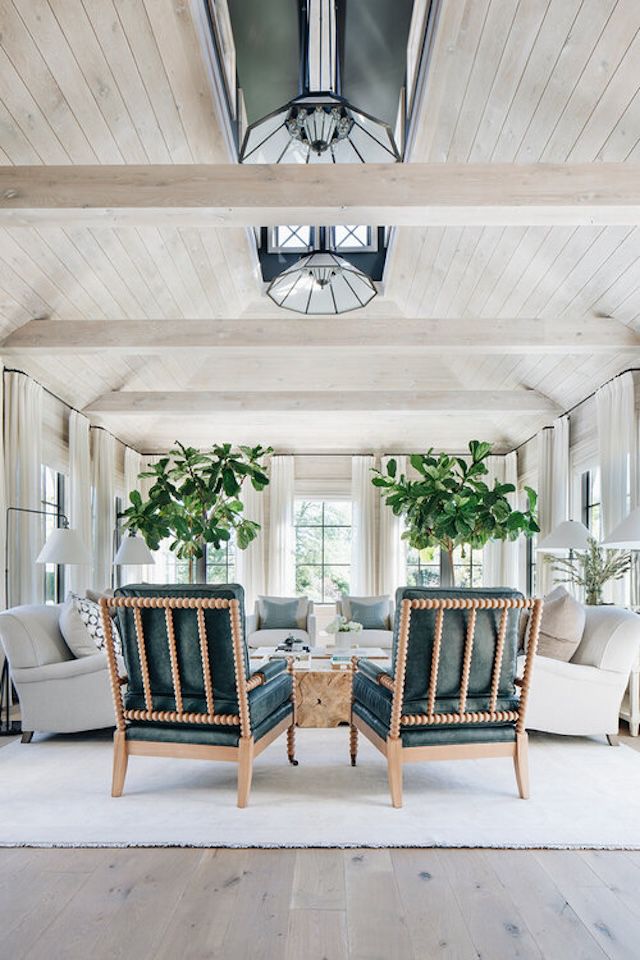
x=451, y=505
x=195, y=499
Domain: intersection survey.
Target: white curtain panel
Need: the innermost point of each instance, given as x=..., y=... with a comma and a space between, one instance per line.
x=500, y=560
x=393, y=549
x=79, y=575
x=23, y=481
x=545, y=506
x=618, y=452
x=561, y=475
x=365, y=501
x=250, y=563
x=104, y=510
x=3, y=502
x=281, y=553
x=617, y=447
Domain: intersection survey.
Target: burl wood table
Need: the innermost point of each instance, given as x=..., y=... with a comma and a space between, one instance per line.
x=324, y=696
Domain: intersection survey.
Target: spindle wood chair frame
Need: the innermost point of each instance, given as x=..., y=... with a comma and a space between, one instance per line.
x=392, y=747
x=247, y=749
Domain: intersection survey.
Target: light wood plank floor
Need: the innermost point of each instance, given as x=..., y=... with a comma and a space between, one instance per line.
x=172, y=904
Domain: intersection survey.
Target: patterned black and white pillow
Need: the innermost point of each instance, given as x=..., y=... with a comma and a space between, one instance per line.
x=91, y=616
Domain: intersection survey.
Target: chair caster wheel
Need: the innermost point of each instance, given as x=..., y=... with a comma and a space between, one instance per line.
x=353, y=761
x=293, y=762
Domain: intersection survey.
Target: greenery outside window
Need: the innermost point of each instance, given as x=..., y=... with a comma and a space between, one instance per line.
x=323, y=548
x=53, y=501
x=424, y=567
x=221, y=564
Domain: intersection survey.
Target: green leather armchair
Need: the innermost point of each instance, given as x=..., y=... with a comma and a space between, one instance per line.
x=189, y=692
x=452, y=690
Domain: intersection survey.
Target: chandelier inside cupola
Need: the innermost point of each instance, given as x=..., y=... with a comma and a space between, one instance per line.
x=319, y=125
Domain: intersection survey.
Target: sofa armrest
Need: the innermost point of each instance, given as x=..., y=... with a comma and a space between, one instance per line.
x=312, y=628
x=61, y=671
x=271, y=669
x=250, y=623
x=373, y=670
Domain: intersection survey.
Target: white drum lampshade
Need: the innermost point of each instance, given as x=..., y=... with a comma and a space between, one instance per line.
x=64, y=545
x=626, y=535
x=568, y=535
x=133, y=551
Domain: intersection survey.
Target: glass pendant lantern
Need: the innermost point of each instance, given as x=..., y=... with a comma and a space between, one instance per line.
x=319, y=125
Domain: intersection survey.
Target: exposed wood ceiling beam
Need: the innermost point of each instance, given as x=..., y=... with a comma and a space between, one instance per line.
x=383, y=334
x=413, y=194
x=208, y=401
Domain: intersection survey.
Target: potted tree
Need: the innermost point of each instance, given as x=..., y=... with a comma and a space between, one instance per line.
x=450, y=505
x=195, y=499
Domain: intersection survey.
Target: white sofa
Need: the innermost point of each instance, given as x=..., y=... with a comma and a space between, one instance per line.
x=583, y=697
x=371, y=638
x=58, y=693
x=258, y=637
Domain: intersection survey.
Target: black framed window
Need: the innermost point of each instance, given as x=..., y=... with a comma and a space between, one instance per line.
x=323, y=548
x=221, y=563
x=53, y=501
x=353, y=238
x=425, y=567
x=590, y=501
x=291, y=239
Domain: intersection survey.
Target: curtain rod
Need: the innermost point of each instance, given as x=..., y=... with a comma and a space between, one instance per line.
x=568, y=412
x=68, y=405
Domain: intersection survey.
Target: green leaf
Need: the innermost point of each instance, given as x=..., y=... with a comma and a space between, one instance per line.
x=392, y=467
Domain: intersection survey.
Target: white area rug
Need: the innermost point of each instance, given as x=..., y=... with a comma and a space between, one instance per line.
x=55, y=792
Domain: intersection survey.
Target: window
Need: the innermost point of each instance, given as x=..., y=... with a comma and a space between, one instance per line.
x=221, y=563
x=291, y=239
x=424, y=567
x=531, y=544
x=353, y=238
x=53, y=503
x=323, y=548
x=590, y=501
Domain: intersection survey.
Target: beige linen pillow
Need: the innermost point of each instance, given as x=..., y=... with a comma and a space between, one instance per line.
x=562, y=626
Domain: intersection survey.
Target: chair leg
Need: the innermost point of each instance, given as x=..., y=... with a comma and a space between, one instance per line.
x=521, y=764
x=120, y=763
x=245, y=769
x=291, y=744
x=353, y=744
x=394, y=770
x=614, y=739
x=27, y=736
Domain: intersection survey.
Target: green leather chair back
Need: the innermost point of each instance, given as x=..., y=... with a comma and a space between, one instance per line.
x=420, y=647
x=220, y=646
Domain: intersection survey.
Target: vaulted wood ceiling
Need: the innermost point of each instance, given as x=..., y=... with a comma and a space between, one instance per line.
x=509, y=81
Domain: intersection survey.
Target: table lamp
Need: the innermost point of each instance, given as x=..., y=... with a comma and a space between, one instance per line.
x=568, y=535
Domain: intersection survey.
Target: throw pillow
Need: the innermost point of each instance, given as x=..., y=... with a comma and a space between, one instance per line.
x=562, y=626
x=81, y=627
x=371, y=612
x=283, y=613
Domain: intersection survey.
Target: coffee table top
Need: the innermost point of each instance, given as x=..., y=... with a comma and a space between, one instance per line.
x=319, y=658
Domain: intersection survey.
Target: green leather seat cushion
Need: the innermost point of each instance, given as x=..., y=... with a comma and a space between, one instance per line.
x=378, y=701
x=201, y=734
x=440, y=735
